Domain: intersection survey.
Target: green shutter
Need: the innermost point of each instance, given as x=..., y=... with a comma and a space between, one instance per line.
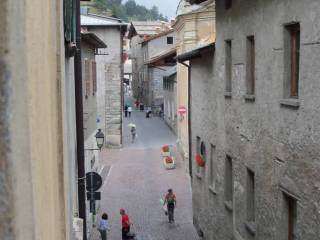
x=69, y=20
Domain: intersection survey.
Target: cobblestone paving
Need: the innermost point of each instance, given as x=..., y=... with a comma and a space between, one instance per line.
x=137, y=180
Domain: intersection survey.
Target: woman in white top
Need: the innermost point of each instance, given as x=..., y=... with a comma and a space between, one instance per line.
x=129, y=111
x=103, y=226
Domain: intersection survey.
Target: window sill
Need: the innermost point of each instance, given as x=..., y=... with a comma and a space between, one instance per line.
x=249, y=98
x=198, y=175
x=290, y=102
x=228, y=205
x=212, y=190
x=251, y=227
x=227, y=94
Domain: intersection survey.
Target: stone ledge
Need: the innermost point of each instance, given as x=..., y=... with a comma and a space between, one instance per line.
x=290, y=103
x=198, y=175
x=249, y=98
x=212, y=190
x=228, y=205
x=228, y=94
x=251, y=227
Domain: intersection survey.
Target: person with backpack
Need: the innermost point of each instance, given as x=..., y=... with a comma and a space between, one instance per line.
x=170, y=200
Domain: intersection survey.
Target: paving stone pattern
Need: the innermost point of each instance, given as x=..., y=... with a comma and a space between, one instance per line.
x=137, y=180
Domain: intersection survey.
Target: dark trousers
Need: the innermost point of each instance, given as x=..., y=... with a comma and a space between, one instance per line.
x=129, y=114
x=170, y=212
x=125, y=113
x=103, y=234
x=125, y=232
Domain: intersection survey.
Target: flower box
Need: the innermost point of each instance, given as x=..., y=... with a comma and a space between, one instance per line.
x=200, y=161
x=169, y=162
x=165, y=148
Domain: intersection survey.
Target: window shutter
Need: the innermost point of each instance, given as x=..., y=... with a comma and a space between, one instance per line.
x=94, y=77
x=69, y=20
x=87, y=77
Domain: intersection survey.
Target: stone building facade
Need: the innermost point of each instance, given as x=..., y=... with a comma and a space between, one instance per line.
x=109, y=74
x=170, y=112
x=194, y=26
x=259, y=131
x=158, y=53
x=137, y=33
x=90, y=44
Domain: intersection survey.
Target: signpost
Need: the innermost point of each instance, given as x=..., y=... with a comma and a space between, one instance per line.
x=93, y=184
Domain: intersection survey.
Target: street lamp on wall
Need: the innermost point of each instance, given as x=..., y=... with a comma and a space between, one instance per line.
x=99, y=139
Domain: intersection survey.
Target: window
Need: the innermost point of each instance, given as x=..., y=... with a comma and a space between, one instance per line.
x=198, y=152
x=169, y=40
x=292, y=55
x=87, y=77
x=250, y=65
x=250, y=196
x=290, y=215
x=228, y=4
x=94, y=77
x=228, y=66
x=228, y=182
x=212, y=168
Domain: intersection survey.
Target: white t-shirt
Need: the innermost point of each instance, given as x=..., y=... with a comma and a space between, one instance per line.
x=129, y=109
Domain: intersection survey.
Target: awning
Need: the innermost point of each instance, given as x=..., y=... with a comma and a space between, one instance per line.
x=93, y=40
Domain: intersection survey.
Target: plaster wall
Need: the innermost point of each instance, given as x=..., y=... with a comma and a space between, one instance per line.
x=192, y=29
x=170, y=114
x=278, y=142
x=158, y=45
x=32, y=75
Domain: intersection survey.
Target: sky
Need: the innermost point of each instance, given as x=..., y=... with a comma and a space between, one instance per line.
x=166, y=7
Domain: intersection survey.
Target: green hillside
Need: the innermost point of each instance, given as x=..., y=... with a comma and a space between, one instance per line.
x=126, y=10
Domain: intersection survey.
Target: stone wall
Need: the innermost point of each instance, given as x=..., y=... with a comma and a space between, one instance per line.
x=109, y=80
x=273, y=138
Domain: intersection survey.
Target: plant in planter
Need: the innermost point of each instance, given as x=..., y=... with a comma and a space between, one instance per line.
x=169, y=160
x=165, y=148
x=200, y=161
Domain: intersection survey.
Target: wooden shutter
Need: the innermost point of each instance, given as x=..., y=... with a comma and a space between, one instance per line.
x=94, y=77
x=87, y=77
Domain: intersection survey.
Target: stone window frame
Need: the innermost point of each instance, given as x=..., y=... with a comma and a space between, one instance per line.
x=292, y=44
x=229, y=183
x=250, y=69
x=198, y=170
x=289, y=214
x=212, y=176
x=228, y=68
x=250, y=201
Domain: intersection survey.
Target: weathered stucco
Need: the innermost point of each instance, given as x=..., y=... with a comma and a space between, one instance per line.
x=280, y=144
x=194, y=26
x=32, y=195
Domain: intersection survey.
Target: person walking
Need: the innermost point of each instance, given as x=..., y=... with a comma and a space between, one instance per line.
x=170, y=200
x=133, y=134
x=125, y=223
x=126, y=110
x=103, y=226
x=129, y=110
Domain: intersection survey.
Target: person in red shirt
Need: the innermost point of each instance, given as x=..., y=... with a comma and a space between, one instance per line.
x=125, y=224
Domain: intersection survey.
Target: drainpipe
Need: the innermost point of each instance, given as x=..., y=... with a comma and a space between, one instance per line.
x=189, y=117
x=79, y=123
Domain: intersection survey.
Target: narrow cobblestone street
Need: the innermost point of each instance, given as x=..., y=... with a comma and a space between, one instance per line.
x=137, y=180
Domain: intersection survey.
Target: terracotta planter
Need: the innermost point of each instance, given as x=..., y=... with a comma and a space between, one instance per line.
x=200, y=161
